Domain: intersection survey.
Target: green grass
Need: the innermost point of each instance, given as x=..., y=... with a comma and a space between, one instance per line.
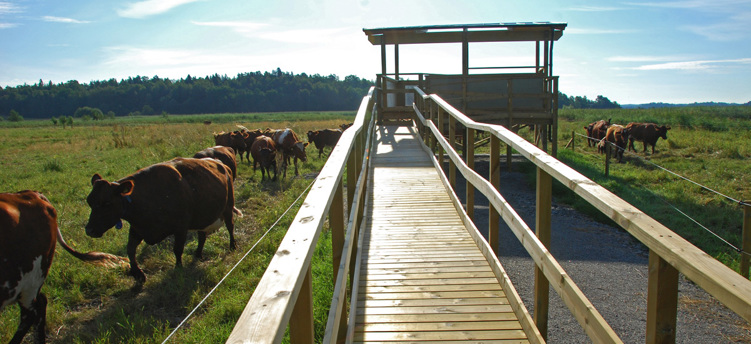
x=89, y=304
x=709, y=145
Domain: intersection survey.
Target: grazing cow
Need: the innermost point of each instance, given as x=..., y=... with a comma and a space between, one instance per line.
x=234, y=140
x=324, y=138
x=28, y=230
x=263, y=151
x=224, y=154
x=647, y=133
x=616, y=135
x=250, y=137
x=164, y=199
x=288, y=145
x=596, y=131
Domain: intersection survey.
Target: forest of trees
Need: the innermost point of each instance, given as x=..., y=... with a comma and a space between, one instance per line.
x=247, y=92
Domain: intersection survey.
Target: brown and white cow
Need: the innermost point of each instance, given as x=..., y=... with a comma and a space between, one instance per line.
x=224, y=154
x=234, y=139
x=596, y=131
x=647, y=133
x=263, y=151
x=28, y=230
x=616, y=135
x=324, y=138
x=164, y=199
x=288, y=145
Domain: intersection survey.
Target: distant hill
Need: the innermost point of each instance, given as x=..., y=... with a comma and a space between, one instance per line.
x=664, y=105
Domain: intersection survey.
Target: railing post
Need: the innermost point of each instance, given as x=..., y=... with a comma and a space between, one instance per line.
x=607, y=158
x=662, y=300
x=470, y=189
x=495, y=180
x=440, y=130
x=336, y=223
x=452, y=136
x=301, y=321
x=746, y=244
x=543, y=221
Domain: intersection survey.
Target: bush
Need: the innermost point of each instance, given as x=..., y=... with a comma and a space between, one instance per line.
x=89, y=112
x=14, y=116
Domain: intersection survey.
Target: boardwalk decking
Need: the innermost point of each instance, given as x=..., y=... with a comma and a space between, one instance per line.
x=422, y=277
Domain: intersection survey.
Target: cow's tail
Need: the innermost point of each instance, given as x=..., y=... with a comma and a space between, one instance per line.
x=98, y=258
x=237, y=212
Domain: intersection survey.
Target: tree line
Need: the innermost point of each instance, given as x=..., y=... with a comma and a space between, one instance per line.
x=247, y=92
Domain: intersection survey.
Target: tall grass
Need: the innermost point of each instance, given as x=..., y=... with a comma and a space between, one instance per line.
x=88, y=304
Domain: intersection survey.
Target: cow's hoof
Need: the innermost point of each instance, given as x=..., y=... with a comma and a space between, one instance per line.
x=138, y=275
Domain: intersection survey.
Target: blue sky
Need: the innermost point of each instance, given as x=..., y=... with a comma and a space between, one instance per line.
x=631, y=52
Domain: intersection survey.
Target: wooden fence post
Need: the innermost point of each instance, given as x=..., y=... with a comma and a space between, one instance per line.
x=301, y=321
x=495, y=180
x=440, y=130
x=607, y=159
x=746, y=244
x=543, y=220
x=662, y=300
x=470, y=189
x=336, y=223
x=452, y=137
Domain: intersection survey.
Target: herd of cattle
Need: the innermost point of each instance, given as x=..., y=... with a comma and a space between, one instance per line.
x=168, y=198
x=602, y=132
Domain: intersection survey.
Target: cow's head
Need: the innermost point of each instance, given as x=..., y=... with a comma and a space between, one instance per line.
x=312, y=135
x=299, y=150
x=108, y=202
x=237, y=139
x=662, y=131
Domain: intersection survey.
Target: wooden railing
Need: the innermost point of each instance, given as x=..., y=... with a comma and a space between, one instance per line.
x=283, y=296
x=668, y=252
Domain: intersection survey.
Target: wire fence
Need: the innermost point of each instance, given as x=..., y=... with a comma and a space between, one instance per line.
x=724, y=196
x=237, y=264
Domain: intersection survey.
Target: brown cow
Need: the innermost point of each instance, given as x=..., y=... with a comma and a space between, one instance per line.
x=250, y=137
x=288, y=145
x=648, y=133
x=28, y=230
x=263, y=151
x=234, y=139
x=164, y=199
x=616, y=135
x=596, y=131
x=344, y=126
x=324, y=138
x=224, y=154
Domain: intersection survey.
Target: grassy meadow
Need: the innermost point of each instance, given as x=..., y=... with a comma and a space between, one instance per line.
x=90, y=304
x=709, y=145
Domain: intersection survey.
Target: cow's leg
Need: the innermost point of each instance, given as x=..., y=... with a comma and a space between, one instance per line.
x=296, y=173
x=201, y=241
x=230, y=226
x=133, y=241
x=34, y=315
x=180, y=237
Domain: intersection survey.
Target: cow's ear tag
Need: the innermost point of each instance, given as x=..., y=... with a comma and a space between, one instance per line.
x=119, y=224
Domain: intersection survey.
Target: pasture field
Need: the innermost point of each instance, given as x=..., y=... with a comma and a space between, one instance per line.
x=709, y=145
x=90, y=304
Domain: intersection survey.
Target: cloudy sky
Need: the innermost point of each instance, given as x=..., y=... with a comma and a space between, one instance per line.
x=631, y=52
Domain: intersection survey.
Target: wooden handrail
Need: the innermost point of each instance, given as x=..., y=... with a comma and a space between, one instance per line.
x=268, y=312
x=583, y=310
x=728, y=287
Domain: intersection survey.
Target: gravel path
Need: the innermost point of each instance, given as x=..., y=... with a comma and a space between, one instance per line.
x=607, y=264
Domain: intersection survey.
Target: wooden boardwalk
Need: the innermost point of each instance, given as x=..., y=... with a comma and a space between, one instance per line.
x=421, y=275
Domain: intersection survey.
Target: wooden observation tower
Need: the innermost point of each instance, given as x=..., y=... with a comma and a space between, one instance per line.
x=511, y=95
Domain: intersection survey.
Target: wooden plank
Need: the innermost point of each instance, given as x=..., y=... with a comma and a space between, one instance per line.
x=431, y=288
x=662, y=300
x=432, y=295
x=442, y=317
x=439, y=335
x=445, y=326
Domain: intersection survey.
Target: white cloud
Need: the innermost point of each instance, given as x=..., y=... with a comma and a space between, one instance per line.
x=8, y=8
x=147, y=8
x=643, y=58
x=7, y=25
x=694, y=65
x=53, y=19
x=268, y=32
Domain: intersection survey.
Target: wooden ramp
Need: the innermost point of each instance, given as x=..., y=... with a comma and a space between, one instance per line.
x=422, y=277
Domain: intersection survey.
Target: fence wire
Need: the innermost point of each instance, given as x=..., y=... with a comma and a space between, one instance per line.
x=731, y=199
